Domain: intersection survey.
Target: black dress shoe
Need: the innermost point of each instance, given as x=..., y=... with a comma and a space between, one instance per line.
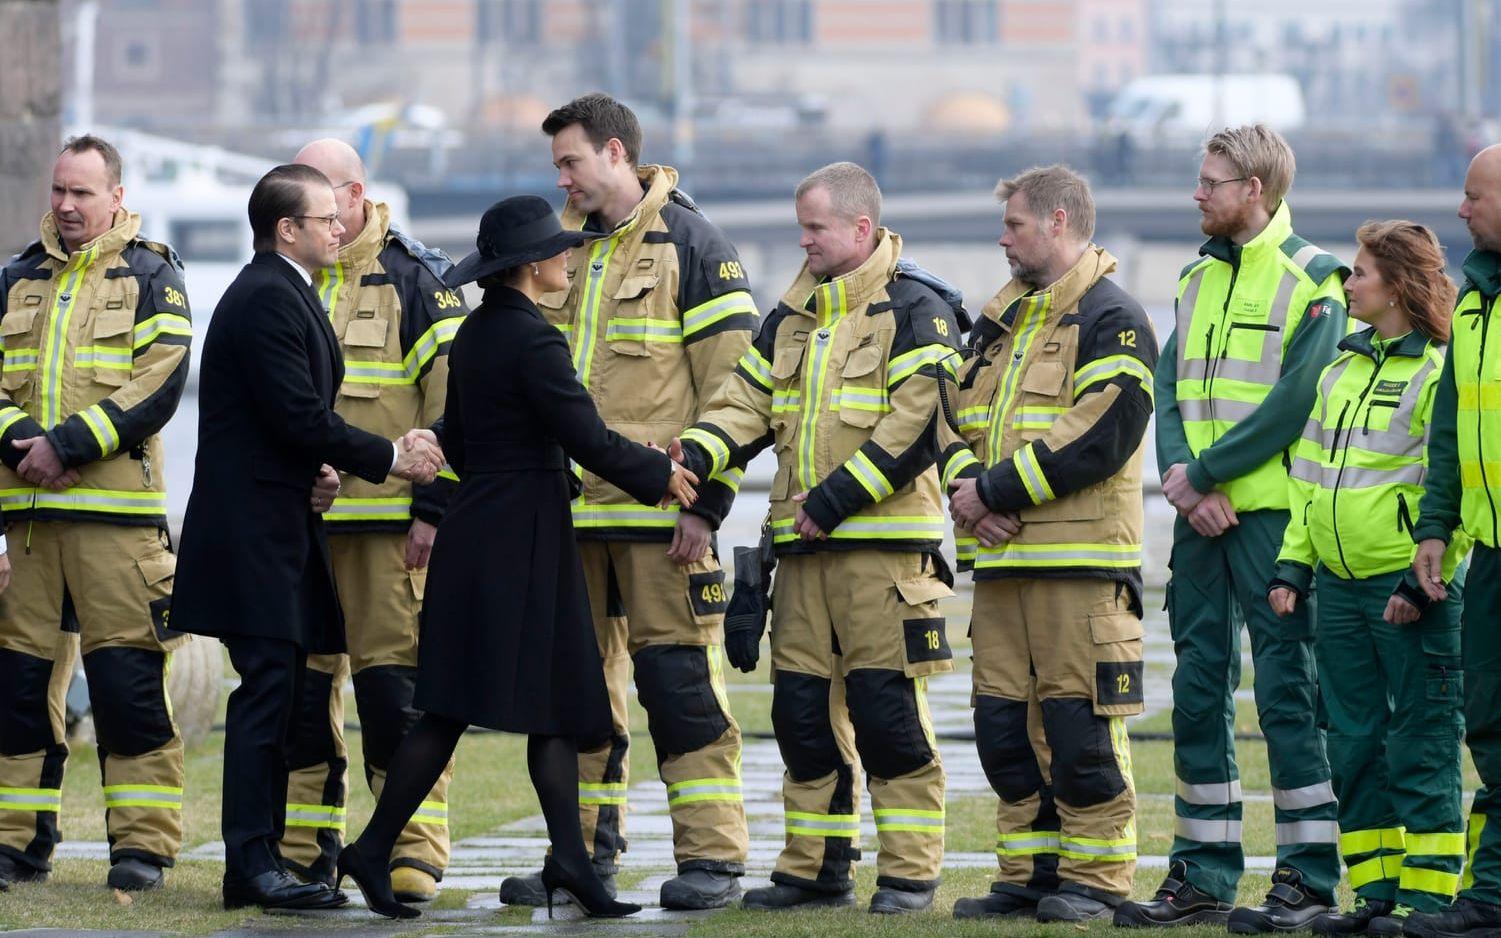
x=277, y=889
x=1178, y=902
x=14, y=871
x=1288, y=906
x=1464, y=917
x=1355, y=921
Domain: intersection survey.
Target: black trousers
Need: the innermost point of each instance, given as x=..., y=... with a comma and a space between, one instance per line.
x=258, y=735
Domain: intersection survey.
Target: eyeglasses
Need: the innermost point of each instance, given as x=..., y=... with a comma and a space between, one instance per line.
x=1208, y=184
x=343, y=184
x=330, y=220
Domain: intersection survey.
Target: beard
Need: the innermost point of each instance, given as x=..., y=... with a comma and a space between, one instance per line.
x=1224, y=224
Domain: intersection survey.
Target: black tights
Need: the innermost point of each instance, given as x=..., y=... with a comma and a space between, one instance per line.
x=552, y=762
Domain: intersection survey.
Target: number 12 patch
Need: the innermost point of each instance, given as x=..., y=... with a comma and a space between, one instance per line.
x=1117, y=682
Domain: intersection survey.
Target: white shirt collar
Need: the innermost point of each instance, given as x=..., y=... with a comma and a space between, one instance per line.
x=307, y=278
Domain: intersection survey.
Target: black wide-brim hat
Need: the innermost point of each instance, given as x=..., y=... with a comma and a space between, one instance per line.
x=512, y=232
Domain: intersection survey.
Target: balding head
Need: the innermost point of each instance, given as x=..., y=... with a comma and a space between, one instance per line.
x=1481, y=208
x=342, y=165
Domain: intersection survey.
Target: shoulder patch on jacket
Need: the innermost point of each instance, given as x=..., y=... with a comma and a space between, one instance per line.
x=431, y=258
x=931, y=318
x=164, y=251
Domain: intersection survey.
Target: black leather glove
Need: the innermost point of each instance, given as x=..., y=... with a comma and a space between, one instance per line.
x=745, y=619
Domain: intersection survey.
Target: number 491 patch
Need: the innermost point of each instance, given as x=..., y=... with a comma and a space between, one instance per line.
x=706, y=593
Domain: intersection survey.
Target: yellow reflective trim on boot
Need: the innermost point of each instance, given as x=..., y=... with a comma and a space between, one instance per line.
x=704, y=789
x=1089, y=848
x=431, y=812
x=1353, y=843
x=915, y=820
x=823, y=825
x=601, y=792
x=315, y=815
x=143, y=796
x=1472, y=842
x=1436, y=882
x=1443, y=844
x=1026, y=843
x=1376, y=869
x=1120, y=741
x=31, y=799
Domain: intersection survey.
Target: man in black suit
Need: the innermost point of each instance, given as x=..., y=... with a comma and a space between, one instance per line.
x=254, y=569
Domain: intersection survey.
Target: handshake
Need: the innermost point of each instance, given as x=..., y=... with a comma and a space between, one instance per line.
x=418, y=459
x=680, y=486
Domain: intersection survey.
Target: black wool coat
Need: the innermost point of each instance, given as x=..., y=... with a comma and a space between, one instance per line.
x=507, y=641
x=254, y=559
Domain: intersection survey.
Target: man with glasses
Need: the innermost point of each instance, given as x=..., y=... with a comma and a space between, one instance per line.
x=1259, y=315
x=394, y=319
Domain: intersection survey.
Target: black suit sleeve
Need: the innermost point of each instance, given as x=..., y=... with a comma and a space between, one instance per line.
x=274, y=348
x=450, y=428
x=554, y=392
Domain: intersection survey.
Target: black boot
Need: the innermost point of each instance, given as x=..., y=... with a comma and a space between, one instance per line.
x=1003, y=901
x=1355, y=921
x=1464, y=917
x=14, y=871
x=527, y=890
x=1288, y=907
x=700, y=889
x=1178, y=902
x=1074, y=902
x=1392, y=923
x=133, y=874
x=779, y=896
x=890, y=900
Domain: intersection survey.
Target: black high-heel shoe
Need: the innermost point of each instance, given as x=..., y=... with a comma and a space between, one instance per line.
x=587, y=892
x=374, y=883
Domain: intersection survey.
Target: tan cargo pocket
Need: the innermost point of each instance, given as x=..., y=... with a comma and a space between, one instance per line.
x=1045, y=378
x=785, y=361
x=860, y=364
x=366, y=333
x=21, y=355
x=364, y=340
x=627, y=333
x=1118, y=669
x=924, y=631
x=157, y=571
x=113, y=326
x=418, y=579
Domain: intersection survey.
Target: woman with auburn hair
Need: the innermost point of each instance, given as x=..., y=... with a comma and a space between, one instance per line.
x=1388, y=658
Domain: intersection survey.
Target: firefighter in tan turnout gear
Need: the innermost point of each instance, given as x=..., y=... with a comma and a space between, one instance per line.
x=395, y=320
x=1054, y=403
x=657, y=314
x=95, y=327
x=844, y=381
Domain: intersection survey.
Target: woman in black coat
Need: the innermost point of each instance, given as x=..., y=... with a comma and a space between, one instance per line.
x=507, y=641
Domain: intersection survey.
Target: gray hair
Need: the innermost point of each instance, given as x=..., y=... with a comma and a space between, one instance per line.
x=1050, y=188
x=1257, y=150
x=852, y=191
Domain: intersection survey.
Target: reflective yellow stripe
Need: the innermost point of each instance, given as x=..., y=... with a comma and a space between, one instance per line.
x=586, y=323
x=161, y=324
x=1354, y=843
x=9, y=416
x=328, y=292
x=78, y=499
x=757, y=368
x=872, y=479
x=647, y=330
x=913, y=820
x=1103, y=369
x=1472, y=843
x=51, y=389
x=1030, y=315
x=972, y=418
x=1026, y=843
x=34, y=800
x=1036, y=417
x=315, y=815
x=815, y=377
x=1419, y=879
x=20, y=359
x=961, y=460
x=102, y=428
x=1437, y=845
x=601, y=792
x=876, y=527
x=907, y=364
x=143, y=796
x=1095, y=850
x=704, y=789
x=1010, y=555
x=719, y=453
x=800, y=823
x=432, y=812
x=622, y=516
x=1031, y=475
x=716, y=310
x=1375, y=869
x=109, y=357
x=345, y=508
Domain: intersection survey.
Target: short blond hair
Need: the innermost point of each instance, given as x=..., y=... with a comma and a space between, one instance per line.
x=852, y=191
x=1050, y=188
x=1257, y=150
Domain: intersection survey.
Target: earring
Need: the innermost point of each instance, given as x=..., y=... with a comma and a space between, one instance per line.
x=1391, y=302
x=535, y=271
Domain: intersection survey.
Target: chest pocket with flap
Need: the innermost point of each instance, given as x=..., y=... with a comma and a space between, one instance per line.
x=20, y=344
x=632, y=325
x=364, y=372
x=111, y=352
x=863, y=394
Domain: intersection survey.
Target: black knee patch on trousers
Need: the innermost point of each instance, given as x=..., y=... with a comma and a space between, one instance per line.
x=129, y=699
x=1085, y=770
x=1005, y=749
x=383, y=696
x=800, y=717
x=25, y=726
x=312, y=733
x=888, y=727
x=682, y=712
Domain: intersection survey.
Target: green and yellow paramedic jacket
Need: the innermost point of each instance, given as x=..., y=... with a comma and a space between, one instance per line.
x=1464, y=445
x=843, y=380
x=395, y=321
x=96, y=357
x=657, y=312
x=1053, y=408
x=1359, y=471
x=1256, y=324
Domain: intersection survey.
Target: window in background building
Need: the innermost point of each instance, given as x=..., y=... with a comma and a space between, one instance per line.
x=138, y=58
x=265, y=22
x=789, y=21
x=966, y=21
x=508, y=20
x=375, y=21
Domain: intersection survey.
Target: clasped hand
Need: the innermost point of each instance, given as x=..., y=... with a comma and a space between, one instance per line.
x=41, y=465
x=991, y=528
x=419, y=458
